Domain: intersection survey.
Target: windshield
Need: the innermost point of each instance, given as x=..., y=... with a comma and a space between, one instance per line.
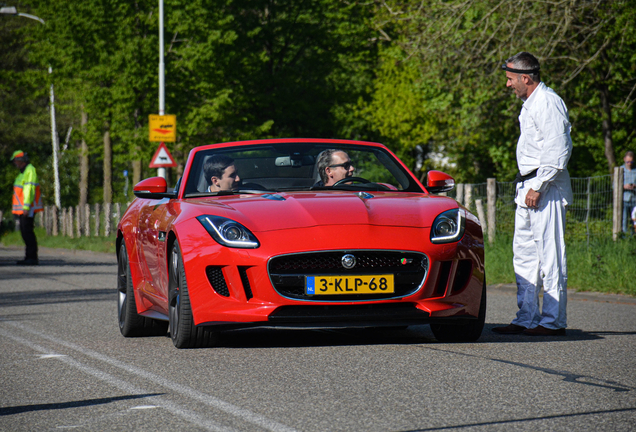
x=294, y=166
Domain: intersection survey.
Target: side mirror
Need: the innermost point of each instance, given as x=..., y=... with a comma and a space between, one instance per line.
x=152, y=188
x=437, y=181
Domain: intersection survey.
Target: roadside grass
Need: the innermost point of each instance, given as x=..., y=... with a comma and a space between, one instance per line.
x=603, y=266
x=95, y=244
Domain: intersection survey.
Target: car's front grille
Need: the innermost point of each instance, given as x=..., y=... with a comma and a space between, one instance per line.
x=288, y=272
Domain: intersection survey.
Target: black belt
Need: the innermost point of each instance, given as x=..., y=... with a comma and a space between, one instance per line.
x=521, y=178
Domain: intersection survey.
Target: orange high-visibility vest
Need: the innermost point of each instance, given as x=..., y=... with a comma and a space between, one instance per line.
x=26, y=192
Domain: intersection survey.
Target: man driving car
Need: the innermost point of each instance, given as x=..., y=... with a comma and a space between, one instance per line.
x=333, y=166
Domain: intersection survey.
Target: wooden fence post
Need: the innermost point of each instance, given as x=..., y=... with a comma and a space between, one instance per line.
x=117, y=214
x=491, y=187
x=55, y=221
x=87, y=220
x=63, y=220
x=107, y=219
x=78, y=222
x=50, y=210
x=468, y=195
x=45, y=217
x=47, y=220
x=71, y=234
x=98, y=219
x=588, y=207
x=618, y=202
x=481, y=215
x=460, y=193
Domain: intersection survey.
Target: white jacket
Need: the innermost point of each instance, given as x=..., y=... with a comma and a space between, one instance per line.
x=544, y=144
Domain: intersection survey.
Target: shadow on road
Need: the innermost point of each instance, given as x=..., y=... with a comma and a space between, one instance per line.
x=571, y=335
x=259, y=337
x=298, y=338
x=50, y=262
x=525, y=420
x=32, y=298
x=74, y=404
x=418, y=334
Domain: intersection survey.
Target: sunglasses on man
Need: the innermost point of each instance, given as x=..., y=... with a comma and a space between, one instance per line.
x=345, y=165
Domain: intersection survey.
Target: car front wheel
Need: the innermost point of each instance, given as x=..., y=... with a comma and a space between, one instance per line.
x=183, y=332
x=466, y=331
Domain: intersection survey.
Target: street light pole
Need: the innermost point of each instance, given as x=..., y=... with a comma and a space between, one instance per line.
x=56, y=147
x=11, y=10
x=161, y=172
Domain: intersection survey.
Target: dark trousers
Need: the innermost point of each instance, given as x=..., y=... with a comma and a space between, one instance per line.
x=26, y=229
x=628, y=206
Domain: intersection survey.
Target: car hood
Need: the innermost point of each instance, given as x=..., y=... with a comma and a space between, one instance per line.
x=280, y=211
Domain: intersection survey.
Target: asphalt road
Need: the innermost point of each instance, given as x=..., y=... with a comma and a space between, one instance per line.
x=64, y=365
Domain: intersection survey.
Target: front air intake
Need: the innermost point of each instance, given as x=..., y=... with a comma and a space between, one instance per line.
x=217, y=280
x=463, y=272
x=246, y=282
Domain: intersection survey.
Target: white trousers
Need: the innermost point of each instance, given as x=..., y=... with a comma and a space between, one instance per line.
x=539, y=260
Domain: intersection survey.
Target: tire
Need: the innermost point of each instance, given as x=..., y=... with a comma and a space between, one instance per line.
x=132, y=324
x=467, y=331
x=183, y=332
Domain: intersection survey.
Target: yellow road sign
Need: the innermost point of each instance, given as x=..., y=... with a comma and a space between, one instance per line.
x=162, y=128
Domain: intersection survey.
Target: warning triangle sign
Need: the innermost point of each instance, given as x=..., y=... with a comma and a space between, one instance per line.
x=162, y=158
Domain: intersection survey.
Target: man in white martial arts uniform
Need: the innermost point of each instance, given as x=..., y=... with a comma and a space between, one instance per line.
x=543, y=192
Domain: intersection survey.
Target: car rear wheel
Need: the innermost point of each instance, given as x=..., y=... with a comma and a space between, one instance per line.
x=183, y=332
x=130, y=322
x=467, y=331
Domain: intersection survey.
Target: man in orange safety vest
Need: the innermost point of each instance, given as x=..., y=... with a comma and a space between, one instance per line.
x=26, y=202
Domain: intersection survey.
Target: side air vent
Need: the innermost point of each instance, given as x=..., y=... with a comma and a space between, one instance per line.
x=246, y=282
x=442, y=277
x=215, y=276
x=462, y=275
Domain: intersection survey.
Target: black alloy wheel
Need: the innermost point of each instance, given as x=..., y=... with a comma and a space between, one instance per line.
x=464, y=331
x=183, y=332
x=130, y=322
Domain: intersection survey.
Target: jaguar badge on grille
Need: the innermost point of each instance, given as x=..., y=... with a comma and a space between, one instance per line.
x=348, y=261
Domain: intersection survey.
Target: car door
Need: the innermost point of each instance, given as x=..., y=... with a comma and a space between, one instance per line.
x=152, y=236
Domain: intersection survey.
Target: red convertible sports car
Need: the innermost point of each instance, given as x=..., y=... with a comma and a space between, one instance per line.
x=298, y=233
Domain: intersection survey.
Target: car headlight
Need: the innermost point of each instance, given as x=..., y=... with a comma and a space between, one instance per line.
x=449, y=226
x=228, y=232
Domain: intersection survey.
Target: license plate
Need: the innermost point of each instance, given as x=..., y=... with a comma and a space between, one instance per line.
x=370, y=284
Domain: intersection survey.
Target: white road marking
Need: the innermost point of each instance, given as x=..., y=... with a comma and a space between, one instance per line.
x=47, y=356
x=241, y=413
x=143, y=407
x=123, y=385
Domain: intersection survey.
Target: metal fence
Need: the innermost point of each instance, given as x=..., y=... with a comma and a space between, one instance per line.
x=87, y=221
x=590, y=215
x=595, y=213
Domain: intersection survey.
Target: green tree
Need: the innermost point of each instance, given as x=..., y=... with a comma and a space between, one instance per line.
x=457, y=47
x=105, y=53
x=234, y=70
x=24, y=104
x=254, y=69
